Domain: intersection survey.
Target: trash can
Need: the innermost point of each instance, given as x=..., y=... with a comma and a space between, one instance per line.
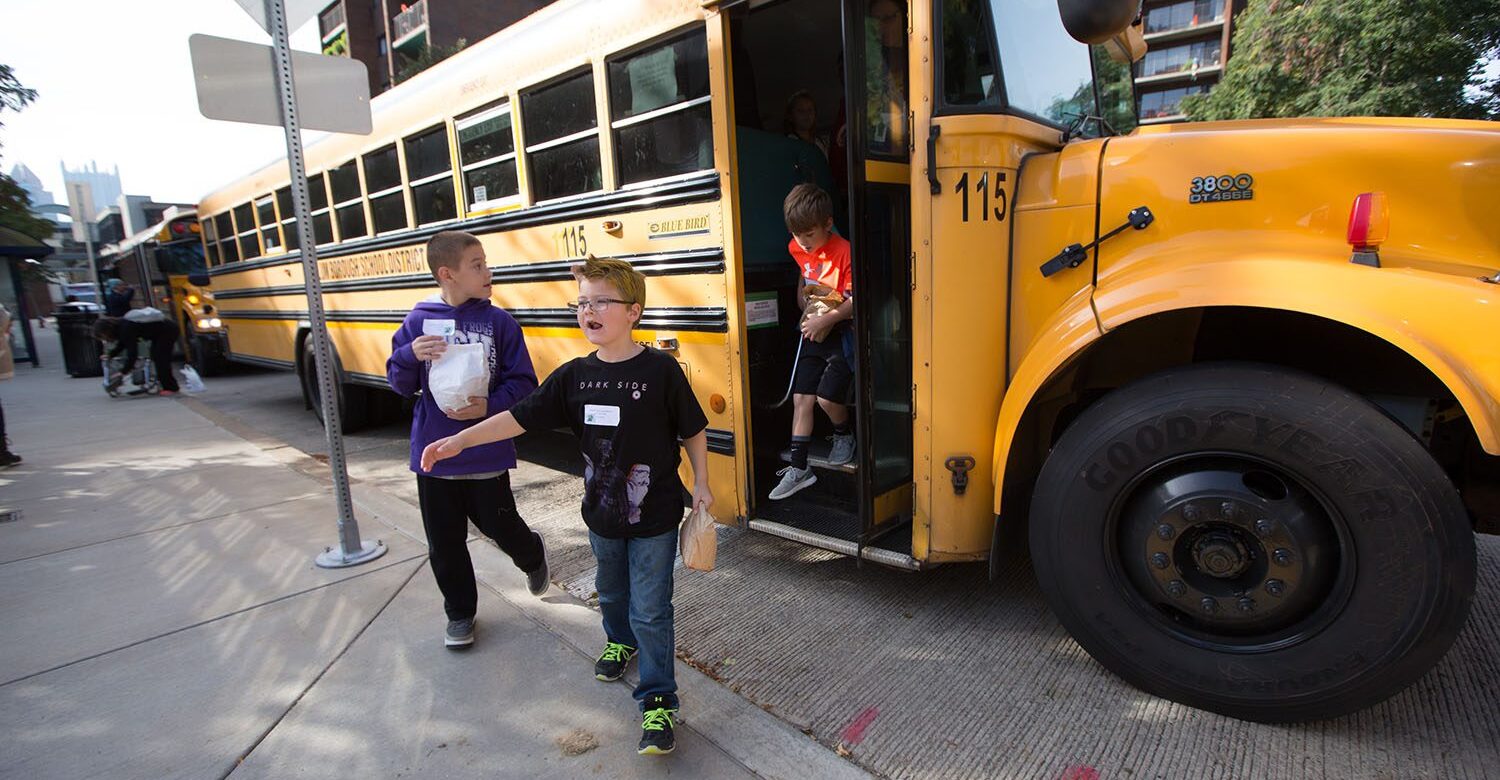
x=75, y=326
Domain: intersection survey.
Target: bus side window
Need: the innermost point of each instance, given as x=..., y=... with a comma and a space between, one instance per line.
x=265, y=213
x=562, y=138
x=244, y=222
x=430, y=170
x=224, y=233
x=659, y=110
x=487, y=154
x=347, y=204
x=317, y=205
x=210, y=242
x=969, y=72
x=387, y=196
x=288, y=218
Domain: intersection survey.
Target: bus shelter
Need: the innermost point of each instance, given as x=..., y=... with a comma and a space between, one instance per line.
x=18, y=250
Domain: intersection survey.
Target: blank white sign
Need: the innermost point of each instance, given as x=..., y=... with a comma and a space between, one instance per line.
x=236, y=82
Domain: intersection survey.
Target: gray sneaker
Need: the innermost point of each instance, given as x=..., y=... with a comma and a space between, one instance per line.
x=460, y=634
x=843, y=450
x=793, y=479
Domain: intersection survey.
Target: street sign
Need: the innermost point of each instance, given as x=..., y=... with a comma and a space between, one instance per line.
x=237, y=82
x=297, y=12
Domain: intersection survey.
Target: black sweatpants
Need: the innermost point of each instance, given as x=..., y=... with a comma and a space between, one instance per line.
x=447, y=507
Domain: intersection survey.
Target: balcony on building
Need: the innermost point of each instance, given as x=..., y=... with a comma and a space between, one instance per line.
x=1183, y=20
x=409, y=28
x=1191, y=61
x=333, y=30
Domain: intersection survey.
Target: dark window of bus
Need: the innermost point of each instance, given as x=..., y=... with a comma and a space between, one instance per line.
x=387, y=198
x=430, y=169
x=288, y=218
x=347, y=204
x=970, y=77
x=562, y=142
x=244, y=220
x=210, y=241
x=885, y=79
x=265, y=212
x=659, y=111
x=224, y=232
x=487, y=152
x=322, y=222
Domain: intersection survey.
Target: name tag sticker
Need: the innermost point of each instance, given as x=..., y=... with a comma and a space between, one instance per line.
x=442, y=328
x=595, y=414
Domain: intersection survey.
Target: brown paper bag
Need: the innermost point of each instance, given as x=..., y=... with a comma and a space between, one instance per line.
x=700, y=540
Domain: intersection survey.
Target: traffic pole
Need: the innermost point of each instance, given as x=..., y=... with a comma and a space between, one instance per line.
x=351, y=550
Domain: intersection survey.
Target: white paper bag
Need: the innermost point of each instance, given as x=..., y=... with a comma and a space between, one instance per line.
x=461, y=372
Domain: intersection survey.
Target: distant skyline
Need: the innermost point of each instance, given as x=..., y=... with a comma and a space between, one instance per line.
x=115, y=87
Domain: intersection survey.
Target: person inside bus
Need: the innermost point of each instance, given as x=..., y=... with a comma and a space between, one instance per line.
x=117, y=297
x=475, y=487
x=633, y=412
x=825, y=296
x=801, y=120
x=126, y=332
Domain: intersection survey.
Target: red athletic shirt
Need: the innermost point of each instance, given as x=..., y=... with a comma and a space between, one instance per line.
x=827, y=265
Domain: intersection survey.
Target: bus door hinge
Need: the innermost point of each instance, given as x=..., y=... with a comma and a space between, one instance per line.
x=960, y=465
x=1073, y=256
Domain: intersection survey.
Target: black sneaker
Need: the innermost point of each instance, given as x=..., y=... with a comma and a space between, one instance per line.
x=656, y=727
x=460, y=634
x=611, y=663
x=8, y=459
x=538, y=579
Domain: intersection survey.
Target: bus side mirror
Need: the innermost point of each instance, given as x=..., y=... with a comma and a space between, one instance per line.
x=1097, y=21
x=1128, y=47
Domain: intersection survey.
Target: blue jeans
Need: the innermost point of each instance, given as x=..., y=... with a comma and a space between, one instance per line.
x=634, y=581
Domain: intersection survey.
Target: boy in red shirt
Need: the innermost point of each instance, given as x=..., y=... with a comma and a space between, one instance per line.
x=825, y=297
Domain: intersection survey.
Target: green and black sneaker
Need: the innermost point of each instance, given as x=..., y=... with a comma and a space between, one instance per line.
x=611, y=663
x=656, y=727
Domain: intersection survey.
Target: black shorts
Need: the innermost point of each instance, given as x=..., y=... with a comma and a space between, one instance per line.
x=823, y=371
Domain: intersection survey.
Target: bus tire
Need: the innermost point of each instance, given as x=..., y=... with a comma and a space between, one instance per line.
x=352, y=399
x=1198, y=533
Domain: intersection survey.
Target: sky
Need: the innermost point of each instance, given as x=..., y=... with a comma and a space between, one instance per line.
x=115, y=86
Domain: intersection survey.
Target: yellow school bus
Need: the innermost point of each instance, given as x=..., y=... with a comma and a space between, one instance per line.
x=1234, y=383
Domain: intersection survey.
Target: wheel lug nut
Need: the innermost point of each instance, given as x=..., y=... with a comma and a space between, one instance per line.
x=1265, y=526
x=1247, y=604
x=1275, y=587
x=1226, y=510
x=1209, y=604
x=1190, y=513
x=1177, y=587
x=1282, y=556
x=1160, y=560
x=1166, y=531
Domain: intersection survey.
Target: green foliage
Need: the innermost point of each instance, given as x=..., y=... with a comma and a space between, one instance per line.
x=431, y=55
x=1115, y=94
x=1296, y=58
x=15, y=204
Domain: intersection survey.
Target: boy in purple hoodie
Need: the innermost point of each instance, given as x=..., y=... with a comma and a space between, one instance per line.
x=475, y=486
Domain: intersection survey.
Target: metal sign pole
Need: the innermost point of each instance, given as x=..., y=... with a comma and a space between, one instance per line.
x=351, y=550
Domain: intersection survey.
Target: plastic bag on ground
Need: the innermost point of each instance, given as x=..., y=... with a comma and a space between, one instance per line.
x=192, y=384
x=700, y=540
x=461, y=372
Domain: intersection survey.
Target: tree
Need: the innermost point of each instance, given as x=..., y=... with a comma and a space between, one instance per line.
x=15, y=204
x=1295, y=58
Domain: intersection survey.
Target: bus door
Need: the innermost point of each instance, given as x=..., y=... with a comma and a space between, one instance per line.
x=878, y=141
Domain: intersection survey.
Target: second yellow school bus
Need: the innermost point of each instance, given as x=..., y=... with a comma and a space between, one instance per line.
x=1236, y=382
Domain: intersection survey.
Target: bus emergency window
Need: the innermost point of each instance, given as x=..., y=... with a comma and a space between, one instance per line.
x=487, y=154
x=387, y=199
x=1047, y=73
x=659, y=111
x=347, y=204
x=970, y=77
x=265, y=212
x=244, y=219
x=210, y=242
x=288, y=218
x=317, y=196
x=224, y=233
x=562, y=151
x=430, y=169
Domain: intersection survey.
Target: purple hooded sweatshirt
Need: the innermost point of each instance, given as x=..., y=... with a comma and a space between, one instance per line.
x=511, y=379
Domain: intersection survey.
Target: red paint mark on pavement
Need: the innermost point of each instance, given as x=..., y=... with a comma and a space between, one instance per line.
x=855, y=734
x=1080, y=773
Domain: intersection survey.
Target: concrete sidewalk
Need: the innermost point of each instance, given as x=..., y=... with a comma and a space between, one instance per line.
x=163, y=618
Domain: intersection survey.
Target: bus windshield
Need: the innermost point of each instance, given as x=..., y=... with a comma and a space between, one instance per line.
x=1047, y=73
x=181, y=258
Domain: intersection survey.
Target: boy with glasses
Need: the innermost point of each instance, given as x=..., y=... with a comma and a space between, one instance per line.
x=629, y=405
